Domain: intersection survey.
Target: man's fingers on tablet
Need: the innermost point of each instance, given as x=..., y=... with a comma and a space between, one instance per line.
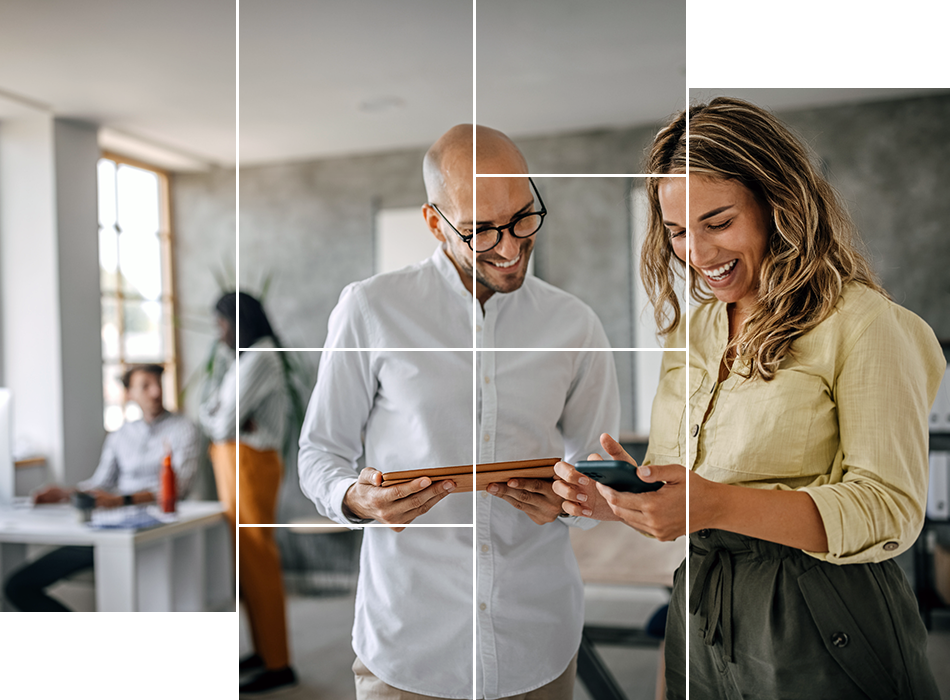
x=370, y=477
x=535, y=485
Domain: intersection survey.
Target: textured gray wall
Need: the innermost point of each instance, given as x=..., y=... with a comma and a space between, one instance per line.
x=601, y=151
x=890, y=161
x=308, y=228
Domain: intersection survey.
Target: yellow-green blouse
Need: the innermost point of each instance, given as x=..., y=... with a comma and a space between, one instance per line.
x=667, y=443
x=844, y=420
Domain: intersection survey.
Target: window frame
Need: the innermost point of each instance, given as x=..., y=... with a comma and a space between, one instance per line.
x=168, y=298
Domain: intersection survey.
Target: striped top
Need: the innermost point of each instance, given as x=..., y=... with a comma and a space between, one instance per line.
x=264, y=401
x=132, y=456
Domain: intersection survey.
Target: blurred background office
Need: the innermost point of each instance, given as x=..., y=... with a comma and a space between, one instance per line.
x=103, y=103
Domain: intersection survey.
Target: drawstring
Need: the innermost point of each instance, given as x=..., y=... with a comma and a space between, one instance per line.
x=711, y=598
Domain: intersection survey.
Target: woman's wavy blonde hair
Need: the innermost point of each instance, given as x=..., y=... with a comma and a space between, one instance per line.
x=812, y=248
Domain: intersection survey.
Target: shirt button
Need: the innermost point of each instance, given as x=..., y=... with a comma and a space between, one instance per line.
x=478, y=328
x=840, y=639
x=703, y=534
x=487, y=380
x=487, y=437
x=484, y=494
x=484, y=547
x=890, y=546
x=482, y=606
x=695, y=431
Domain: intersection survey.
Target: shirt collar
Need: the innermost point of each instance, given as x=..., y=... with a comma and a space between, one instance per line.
x=445, y=266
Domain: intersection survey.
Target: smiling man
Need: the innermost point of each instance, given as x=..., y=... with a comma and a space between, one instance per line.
x=401, y=410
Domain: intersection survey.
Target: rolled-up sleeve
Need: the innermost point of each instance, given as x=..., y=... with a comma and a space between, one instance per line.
x=883, y=392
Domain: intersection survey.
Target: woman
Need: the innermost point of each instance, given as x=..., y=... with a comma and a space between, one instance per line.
x=255, y=447
x=808, y=443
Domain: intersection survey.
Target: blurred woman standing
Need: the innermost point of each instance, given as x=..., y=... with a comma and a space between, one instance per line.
x=248, y=430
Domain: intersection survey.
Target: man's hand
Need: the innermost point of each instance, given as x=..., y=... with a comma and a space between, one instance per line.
x=535, y=497
x=104, y=499
x=51, y=494
x=394, y=505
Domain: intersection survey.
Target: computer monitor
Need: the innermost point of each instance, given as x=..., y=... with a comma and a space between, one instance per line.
x=7, y=473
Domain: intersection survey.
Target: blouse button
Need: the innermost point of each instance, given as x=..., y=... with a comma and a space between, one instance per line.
x=891, y=546
x=695, y=431
x=703, y=534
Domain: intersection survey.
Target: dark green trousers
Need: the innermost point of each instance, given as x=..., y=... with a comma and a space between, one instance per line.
x=768, y=621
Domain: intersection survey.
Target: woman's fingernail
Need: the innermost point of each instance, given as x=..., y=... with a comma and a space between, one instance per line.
x=588, y=512
x=583, y=481
x=582, y=497
x=645, y=471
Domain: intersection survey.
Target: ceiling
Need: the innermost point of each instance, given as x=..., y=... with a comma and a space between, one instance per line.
x=157, y=73
x=323, y=78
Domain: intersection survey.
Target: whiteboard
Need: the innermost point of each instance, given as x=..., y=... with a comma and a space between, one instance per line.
x=402, y=238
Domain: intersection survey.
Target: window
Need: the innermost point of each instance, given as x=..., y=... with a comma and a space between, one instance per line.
x=135, y=281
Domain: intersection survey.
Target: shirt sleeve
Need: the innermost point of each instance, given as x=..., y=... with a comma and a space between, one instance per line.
x=258, y=374
x=883, y=394
x=331, y=437
x=592, y=406
x=211, y=391
x=186, y=454
x=106, y=475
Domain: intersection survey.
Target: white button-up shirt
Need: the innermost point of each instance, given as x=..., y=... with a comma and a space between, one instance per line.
x=132, y=456
x=413, y=623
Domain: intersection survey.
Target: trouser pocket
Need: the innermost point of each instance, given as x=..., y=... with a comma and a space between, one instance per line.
x=844, y=640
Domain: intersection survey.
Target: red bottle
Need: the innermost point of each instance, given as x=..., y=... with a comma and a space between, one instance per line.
x=169, y=493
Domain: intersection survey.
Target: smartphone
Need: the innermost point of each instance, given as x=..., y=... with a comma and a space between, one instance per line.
x=618, y=475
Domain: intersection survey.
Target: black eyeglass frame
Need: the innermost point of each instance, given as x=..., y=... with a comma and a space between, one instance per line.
x=510, y=226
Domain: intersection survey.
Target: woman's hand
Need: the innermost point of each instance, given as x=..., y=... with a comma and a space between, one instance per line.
x=660, y=513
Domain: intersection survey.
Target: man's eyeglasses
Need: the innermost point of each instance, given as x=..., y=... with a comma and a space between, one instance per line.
x=487, y=237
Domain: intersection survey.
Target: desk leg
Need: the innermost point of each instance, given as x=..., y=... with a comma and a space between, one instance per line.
x=154, y=573
x=115, y=577
x=219, y=579
x=594, y=674
x=12, y=556
x=188, y=572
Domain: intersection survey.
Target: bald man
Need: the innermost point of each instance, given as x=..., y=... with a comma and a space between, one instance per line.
x=401, y=410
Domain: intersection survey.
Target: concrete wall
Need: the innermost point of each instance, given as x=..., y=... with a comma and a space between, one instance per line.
x=890, y=161
x=203, y=227
x=308, y=229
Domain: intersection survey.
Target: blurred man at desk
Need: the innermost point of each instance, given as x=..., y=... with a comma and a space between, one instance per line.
x=413, y=625
x=128, y=474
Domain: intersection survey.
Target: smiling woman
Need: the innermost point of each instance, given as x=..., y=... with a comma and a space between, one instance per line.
x=807, y=422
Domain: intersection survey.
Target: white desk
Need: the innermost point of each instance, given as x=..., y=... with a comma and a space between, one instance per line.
x=180, y=566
